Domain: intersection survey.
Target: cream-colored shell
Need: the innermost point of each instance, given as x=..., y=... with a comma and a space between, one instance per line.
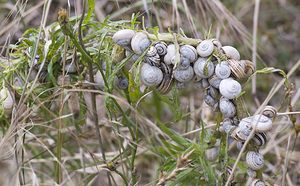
x=184, y=75
x=231, y=52
x=205, y=48
x=254, y=160
x=230, y=88
x=123, y=37
x=204, y=68
x=151, y=75
x=140, y=42
x=170, y=56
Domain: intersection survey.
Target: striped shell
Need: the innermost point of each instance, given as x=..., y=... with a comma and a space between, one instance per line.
x=161, y=48
x=205, y=48
x=270, y=112
x=241, y=68
x=166, y=84
x=230, y=88
x=210, y=101
x=140, y=42
x=152, y=57
x=204, y=68
x=231, y=52
x=254, y=160
x=260, y=138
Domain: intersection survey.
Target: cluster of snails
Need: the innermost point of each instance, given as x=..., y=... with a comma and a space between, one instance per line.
x=260, y=123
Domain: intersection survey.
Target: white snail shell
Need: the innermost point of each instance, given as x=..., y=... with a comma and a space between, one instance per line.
x=205, y=48
x=227, y=108
x=254, y=160
x=260, y=138
x=231, y=52
x=123, y=37
x=223, y=70
x=245, y=127
x=7, y=100
x=133, y=58
x=99, y=81
x=151, y=75
x=140, y=42
x=161, y=48
x=170, y=56
x=270, y=112
x=184, y=75
x=261, y=123
x=189, y=52
x=227, y=125
x=230, y=88
x=239, y=135
x=204, y=83
x=239, y=145
x=204, y=68
x=184, y=63
x=215, y=81
x=257, y=182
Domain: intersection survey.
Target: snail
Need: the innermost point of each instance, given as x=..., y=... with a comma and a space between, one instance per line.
x=170, y=56
x=122, y=82
x=245, y=127
x=240, y=144
x=204, y=68
x=184, y=63
x=133, y=58
x=212, y=153
x=251, y=173
x=70, y=68
x=222, y=70
x=161, y=48
x=217, y=44
x=7, y=101
x=231, y=52
x=260, y=138
x=205, y=48
x=270, y=112
x=210, y=101
x=257, y=182
x=240, y=134
x=213, y=92
x=166, y=83
x=241, y=69
x=123, y=37
x=215, y=81
x=230, y=88
x=140, y=42
x=99, y=81
x=152, y=57
x=254, y=160
x=188, y=52
x=227, y=125
x=261, y=123
x=184, y=75
x=151, y=75
x=227, y=108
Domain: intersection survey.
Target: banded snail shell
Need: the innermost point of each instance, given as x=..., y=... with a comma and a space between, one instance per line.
x=239, y=135
x=123, y=37
x=230, y=88
x=260, y=138
x=184, y=75
x=166, y=84
x=261, y=123
x=222, y=70
x=204, y=68
x=215, y=81
x=241, y=69
x=152, y=57
x=227, y=108
x=254, y=160
x=170, y=56
x=161, y=48
x=257, y=182
x=140, y=42
x=188, y=52
x=231, y=52
x=205, y=48
x=151, y=75
x=270, y=112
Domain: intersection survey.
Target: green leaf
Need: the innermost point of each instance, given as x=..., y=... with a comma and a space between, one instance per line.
x=91, y=7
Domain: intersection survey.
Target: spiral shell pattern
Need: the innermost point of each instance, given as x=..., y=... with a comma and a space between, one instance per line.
x=204, y=68
x=254, y=160
x=261, y=123
x=189, y=52
x=161, y=48
x=270, y=112
x=223, y=70
x=205, y=48
x=140, y=42
x=230, y=88
x=184, y=75
x=227, y=108
x=151, y=75
x=257, y=182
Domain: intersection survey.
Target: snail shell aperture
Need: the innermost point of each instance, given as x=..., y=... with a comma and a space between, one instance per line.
x=204, y=68
x=223, y=70
x=123, y=37
x=170, y=56
x=230, y=88
x=254, y=160
x=227, y=108
x=140, y=42
x=184, y=75
x=151, y=75
x=231, y=52
x=270, y=112
x=205, y=48
x=188, y=52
